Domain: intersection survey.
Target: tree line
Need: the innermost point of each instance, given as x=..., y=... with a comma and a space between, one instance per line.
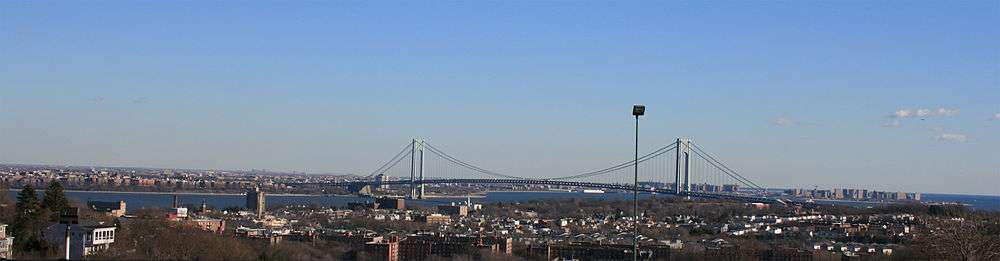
x=29, y=216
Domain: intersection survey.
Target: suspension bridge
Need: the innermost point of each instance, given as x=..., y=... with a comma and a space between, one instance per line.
x=680, y=168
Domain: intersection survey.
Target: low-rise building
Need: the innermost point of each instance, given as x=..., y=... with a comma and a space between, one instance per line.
x=208, y=224
x=6, y=243
x=85, y=239
x=175, y=214
x=114, y=209
x=391, y=203
x=455, y=210
x=424, y=246
x=433, y=219
x=271, y=236
x=384, y=250
x=593, y=251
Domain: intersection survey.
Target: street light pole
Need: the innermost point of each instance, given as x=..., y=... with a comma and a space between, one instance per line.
x=637, y=110
x=67, y=240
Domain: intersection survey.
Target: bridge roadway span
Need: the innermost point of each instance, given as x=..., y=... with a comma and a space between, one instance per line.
x=729, y=196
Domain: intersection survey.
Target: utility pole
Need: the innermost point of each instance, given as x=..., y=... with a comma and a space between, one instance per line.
x=67, y=240
x=637, y=110
x=69, y=216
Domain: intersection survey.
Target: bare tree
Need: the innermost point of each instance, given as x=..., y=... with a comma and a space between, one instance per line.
x=972, y=240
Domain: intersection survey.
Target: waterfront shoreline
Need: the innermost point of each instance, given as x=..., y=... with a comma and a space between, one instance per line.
x=475, y=195
x=188, y=193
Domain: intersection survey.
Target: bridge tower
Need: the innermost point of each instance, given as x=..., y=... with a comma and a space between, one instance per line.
x=413, y=162
x=682, y=161
x=416, y=169
x=421, y=150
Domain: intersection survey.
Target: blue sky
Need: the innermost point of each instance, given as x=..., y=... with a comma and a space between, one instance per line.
x=893, y=95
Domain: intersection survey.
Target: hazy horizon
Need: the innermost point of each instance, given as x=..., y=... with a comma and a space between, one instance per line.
x=896, y=96
x=363, y=174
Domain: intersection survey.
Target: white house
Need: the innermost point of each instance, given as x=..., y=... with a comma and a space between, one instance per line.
x=85, y=239
x=6, y=243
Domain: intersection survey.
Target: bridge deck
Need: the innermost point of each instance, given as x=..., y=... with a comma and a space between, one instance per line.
x=628, y=187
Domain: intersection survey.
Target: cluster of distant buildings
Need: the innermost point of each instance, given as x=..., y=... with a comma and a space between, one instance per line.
x=284, y=225
x=696, y=187
x=460, y=232
x=825, y=230
x=420, y=246
x=854, y=194
x=143, y=179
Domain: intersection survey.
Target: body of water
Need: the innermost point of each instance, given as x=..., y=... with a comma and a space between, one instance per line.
x=991, y=203
x=222, y=201
x=136, y=201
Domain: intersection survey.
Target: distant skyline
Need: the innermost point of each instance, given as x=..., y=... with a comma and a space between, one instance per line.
x=888, y=95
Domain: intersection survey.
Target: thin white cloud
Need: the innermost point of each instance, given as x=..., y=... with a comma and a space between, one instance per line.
x=902, y=114
x=996, y=117
x=924, y=113
x=952, y=137
x=897, y=117
x=946, y=112
x=783, y=122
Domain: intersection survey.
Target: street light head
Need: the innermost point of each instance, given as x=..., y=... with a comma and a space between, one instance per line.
x=638, y=109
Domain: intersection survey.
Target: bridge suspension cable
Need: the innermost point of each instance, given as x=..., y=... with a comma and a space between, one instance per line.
x=447, y=157
x=392, y=162
x=623, y=165
x=663, y=150
x=725, y=169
